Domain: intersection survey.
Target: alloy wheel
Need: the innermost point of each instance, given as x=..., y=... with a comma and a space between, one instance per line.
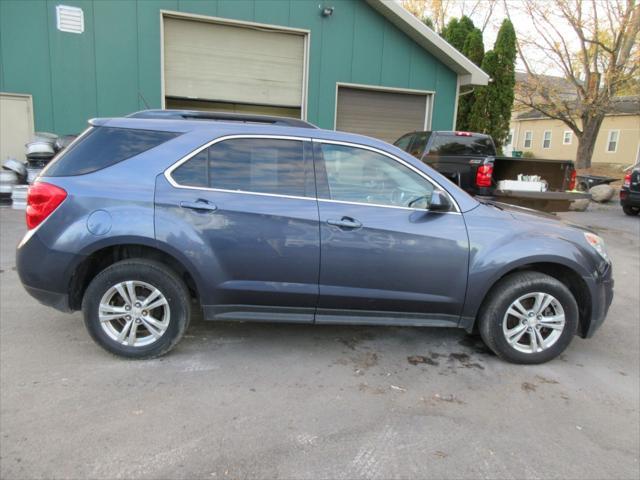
x=534, y=322
x=134, y=313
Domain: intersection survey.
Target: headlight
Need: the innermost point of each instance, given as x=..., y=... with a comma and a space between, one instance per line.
x=598, y=245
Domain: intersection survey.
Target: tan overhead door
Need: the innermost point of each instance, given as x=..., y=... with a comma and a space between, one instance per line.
x=380, y=114
x=16, y=125
x=233, y=64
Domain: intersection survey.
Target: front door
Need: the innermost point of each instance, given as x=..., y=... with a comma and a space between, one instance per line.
x=384, y=259
x=243, y=210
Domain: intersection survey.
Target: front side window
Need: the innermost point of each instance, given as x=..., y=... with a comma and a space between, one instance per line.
x=362, y=176
x=546, y=139
x=528, y=138
x=612, y=142
x=260, y=165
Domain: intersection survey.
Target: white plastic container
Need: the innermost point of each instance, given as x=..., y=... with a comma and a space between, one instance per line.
x=520, y=186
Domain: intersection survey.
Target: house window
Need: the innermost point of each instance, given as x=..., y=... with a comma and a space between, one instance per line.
x=509, y=138
x=546, y=139
x=528, y=139
x=612, y=141
x=567, y=137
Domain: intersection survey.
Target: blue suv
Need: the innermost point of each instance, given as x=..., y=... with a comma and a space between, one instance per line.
x=270, y=219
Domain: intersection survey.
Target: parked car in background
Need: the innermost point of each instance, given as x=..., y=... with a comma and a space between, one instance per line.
x=271, y=219
x=470, y=161
x=630, y=191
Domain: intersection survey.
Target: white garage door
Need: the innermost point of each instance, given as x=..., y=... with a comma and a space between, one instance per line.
x=16, y=125
x=233, y=64
x=386, y=115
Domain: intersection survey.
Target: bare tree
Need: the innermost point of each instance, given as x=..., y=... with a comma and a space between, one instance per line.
x=595, y=45
x=435, y=10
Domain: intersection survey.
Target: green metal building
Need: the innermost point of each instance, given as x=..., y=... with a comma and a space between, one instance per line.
x=359, y=65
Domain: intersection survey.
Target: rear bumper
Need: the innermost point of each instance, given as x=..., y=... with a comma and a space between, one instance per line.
x=44, y=272
x=601, y=297
x=629, y=198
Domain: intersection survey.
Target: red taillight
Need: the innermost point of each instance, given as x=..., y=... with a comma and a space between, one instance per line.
x=464, y=134
x=572, y=180
x=42, y=199
x=627, y=180
x=483, y=175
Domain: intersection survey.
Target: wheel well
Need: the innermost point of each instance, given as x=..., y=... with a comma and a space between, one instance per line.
x=570, y=278
x=101, y=259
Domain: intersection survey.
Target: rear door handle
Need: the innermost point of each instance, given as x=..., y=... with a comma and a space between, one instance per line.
x=199, y=205
x=345, y=222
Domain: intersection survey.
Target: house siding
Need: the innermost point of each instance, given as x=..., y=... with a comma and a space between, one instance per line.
x=114, y=67
x=628, y=140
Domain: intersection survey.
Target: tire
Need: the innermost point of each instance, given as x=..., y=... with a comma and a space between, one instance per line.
x=632, y=211
x=168, y=321
x=524, y=287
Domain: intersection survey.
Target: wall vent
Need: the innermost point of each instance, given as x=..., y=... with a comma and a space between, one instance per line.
x=70, y=19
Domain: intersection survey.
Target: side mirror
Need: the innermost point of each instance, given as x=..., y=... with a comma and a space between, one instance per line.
x=439, y=202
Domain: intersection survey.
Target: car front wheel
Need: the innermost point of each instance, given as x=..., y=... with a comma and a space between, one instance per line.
x=136, y=309
x=529, y=318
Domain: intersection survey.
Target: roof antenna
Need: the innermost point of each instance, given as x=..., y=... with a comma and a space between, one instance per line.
x=144, y=101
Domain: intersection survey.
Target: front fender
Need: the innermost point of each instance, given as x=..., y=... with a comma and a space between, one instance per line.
x=499, y=246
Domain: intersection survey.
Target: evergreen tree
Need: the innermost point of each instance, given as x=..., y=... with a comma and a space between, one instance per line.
x=456, y=31
x=504, y=81
x=491, y=110
x=474, y=50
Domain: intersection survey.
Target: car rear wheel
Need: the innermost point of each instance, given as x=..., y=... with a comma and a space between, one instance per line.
x=633, y=211
x=136, y=309
x=529, y=318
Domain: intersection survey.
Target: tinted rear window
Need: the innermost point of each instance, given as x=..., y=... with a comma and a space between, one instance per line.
x=102, y=147
x=462, y=145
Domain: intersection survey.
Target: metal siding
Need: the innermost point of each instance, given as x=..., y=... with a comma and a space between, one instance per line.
x=396, y=58
x=272, y=12
x=368, y=42
x=149, y=66
x=354, y=45
x=335, y=58
x=116, y=61
x=73, y=71
x=25, y=55
x=444, y=99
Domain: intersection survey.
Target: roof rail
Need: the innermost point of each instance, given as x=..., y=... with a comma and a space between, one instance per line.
x=221, y=116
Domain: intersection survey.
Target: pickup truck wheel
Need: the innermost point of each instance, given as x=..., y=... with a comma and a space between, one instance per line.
x=529, y=318
x=633, y=211
x=136, y=309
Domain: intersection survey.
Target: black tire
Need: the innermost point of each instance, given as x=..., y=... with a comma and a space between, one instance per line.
x=633, y=211
x=155, y=274
x=507, y=291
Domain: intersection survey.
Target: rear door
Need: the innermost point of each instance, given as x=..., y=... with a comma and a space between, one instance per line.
x=243, y=210
x=383, y=261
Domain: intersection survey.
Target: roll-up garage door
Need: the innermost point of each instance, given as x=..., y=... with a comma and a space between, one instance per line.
x=386, y=115
x=233, y=64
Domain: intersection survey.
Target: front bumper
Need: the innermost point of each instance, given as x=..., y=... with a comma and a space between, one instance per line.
x=601, y=289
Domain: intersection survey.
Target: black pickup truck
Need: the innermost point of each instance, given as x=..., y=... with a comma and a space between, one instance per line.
x=470, y=161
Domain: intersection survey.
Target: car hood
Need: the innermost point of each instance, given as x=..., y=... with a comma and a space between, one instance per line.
x=530, y=216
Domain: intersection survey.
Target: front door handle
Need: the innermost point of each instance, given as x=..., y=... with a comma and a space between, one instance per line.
x=345, y=222
x=199, y=205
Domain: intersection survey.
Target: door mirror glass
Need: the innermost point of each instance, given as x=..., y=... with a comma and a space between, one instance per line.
x=439, y=202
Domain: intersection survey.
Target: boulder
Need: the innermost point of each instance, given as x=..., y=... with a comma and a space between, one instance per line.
x=579, y=205
x=602, y=193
